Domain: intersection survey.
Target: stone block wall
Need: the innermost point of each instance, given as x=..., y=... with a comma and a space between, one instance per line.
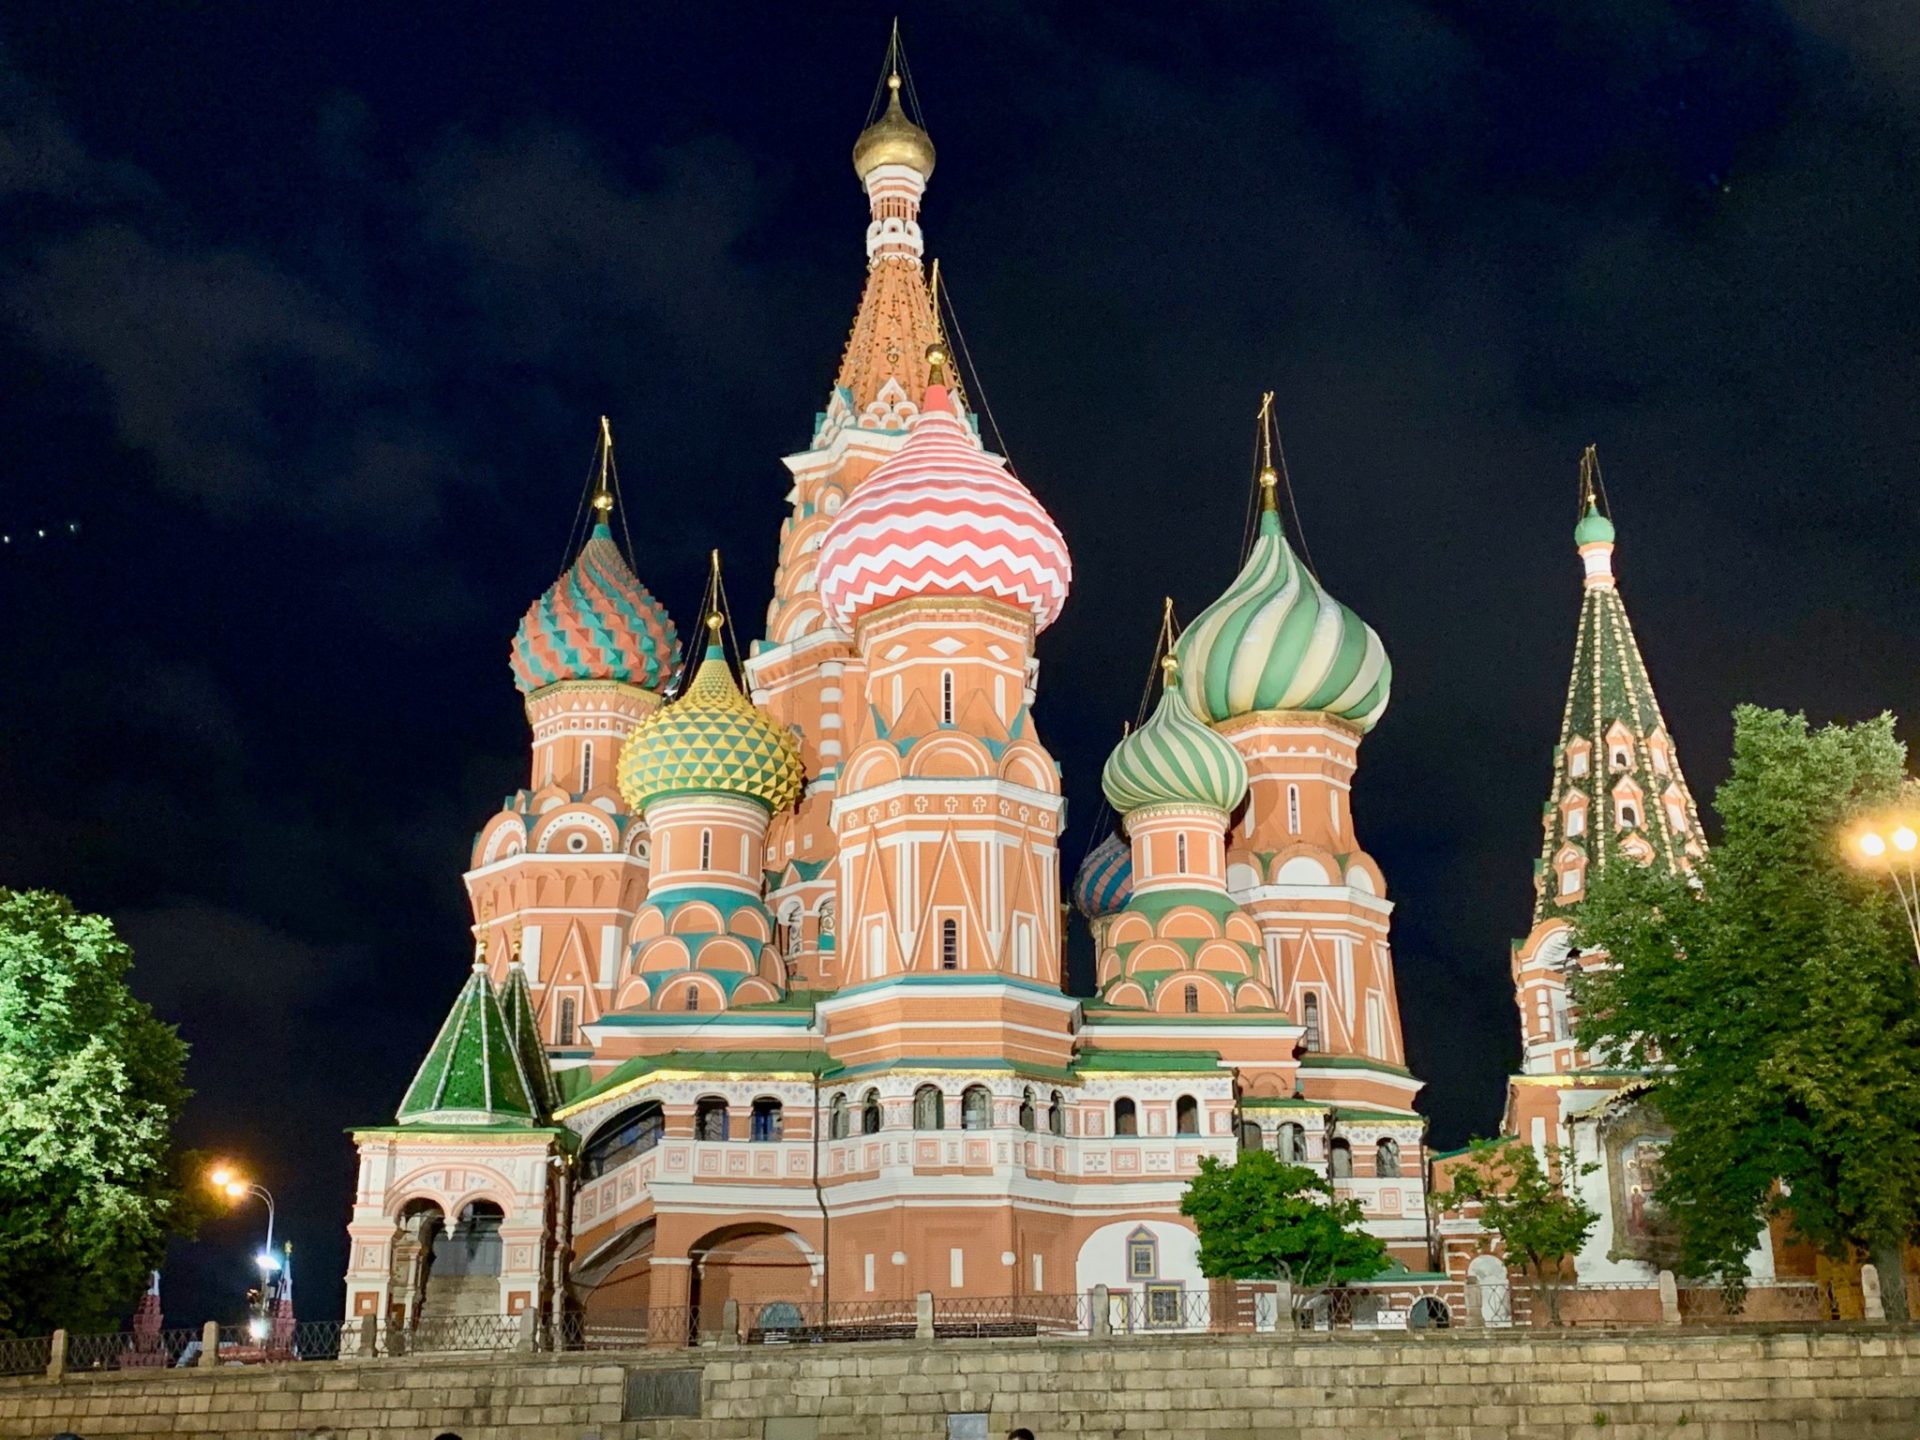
x=1853, y=1382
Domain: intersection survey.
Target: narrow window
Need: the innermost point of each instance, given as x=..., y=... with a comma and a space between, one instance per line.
x=949, y=944
x=1143, y=1255
x=1629, y=816
x=706, y=850
x=929, y=1109
x=837, y=1118
x=1340, y=1161
x=1310, y=1010
x=569, y=1017
x=710, y=1119
x=1577, y=765
x=1570, y=880
x=1293, y=1143
x=1386, y=1157
x=1293, y=809
x=1250, y=1137
x=1027, y=1117
x=766, y=1121
x=1126, y=1119
x=1180, y=854
x=1192, y=998
x=976, y=1108
x=586, y=766
x=1577, y=820
x=693, y=997
x=870, y=1113
x=1186, y=1115
x=946, y=697
x=547, y=768
x=1057, y=1114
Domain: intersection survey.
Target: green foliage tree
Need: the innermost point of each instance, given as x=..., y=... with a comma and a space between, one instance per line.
x=1261, y=1219
x=90, y=1086
x=1776, y=1007
x=1526, y=1204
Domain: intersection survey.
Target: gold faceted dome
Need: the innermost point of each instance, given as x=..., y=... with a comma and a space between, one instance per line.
x=893, y=139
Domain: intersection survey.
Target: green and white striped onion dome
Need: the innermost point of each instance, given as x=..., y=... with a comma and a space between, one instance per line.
x=1277, y=641
x=1174, y=759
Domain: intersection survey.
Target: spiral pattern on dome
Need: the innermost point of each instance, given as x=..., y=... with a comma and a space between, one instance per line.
x=941, y=517
x=1277, y=641
x=1105, y=881
x=711, y=741
x=1174, y=759
x=596, y=622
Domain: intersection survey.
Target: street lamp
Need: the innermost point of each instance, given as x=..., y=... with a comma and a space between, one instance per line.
x=237, y=1187
x=1892, y=848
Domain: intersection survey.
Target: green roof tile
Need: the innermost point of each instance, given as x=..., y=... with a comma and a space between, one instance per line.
x=473, y=1074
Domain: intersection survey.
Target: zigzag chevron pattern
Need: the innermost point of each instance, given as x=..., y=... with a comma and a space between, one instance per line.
x=943, y=518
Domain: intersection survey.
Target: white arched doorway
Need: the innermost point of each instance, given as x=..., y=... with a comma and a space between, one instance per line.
x=1488, y=1276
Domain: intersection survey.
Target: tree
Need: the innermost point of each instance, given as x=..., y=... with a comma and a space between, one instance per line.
x=1776, y=1007
x=1525, y=1204
x=1261, y=1219
x=90, y=1086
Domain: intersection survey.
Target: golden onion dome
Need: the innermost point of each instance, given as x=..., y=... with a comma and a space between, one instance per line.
x=893, y=139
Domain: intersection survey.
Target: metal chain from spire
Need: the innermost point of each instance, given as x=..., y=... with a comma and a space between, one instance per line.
x=1273, y=462
x=1593, y=487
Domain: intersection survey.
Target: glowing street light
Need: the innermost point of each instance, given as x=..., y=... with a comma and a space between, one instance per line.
x=235, y=1186
x=1888, y=846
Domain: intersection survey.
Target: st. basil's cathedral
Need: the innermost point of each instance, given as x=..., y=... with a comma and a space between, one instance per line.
x=767, y=1001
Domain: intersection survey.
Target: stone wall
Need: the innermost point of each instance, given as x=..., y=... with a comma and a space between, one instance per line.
x=1851, y=1382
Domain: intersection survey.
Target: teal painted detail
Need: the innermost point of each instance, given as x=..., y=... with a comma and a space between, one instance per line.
x=1594, y=528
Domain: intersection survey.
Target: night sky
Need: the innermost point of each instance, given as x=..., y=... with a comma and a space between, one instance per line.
x=307, y=314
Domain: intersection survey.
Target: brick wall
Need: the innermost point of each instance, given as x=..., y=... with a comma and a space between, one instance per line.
x=1856, y=1383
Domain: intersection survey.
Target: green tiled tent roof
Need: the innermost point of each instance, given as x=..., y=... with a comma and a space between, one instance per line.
x=516, y=1005
x=472, y=1075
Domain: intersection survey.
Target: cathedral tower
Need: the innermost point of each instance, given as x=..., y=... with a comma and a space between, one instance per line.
x=558, y=873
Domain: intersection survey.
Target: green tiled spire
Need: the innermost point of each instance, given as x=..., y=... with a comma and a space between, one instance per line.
x=472, y=1075
x=516, y=1005
x=1613, y=742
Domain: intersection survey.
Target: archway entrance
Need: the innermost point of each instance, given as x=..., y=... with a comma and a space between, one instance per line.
x=463, y=1275
x=418, y=1226
x=768, y=1270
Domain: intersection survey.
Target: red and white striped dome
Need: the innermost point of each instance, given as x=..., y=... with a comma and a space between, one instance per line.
x=942, y=517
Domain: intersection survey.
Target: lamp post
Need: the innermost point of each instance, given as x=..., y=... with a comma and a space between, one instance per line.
x=1892, y=848
x=237, y=1187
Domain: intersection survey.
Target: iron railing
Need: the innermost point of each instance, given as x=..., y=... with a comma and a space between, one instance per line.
x=639, y=1329
x=29, y=1356
x=1012, y=1315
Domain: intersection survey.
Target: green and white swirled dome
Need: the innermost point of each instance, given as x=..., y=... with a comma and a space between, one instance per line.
x=1174, y=759
x=1277, y=641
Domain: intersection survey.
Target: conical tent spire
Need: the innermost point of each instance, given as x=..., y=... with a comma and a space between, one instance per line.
x=1618, y=792
x=516, y=1005
x=473, y=1074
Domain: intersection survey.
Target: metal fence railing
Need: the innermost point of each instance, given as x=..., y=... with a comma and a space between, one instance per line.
x=30, y=1356
x=1012, y=1315
x=652, y=1328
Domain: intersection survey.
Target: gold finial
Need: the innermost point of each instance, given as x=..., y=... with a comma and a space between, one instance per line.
x=1269, y=476
x=936, y=364
x=603, y=494
x=893, y=82
x=1589, y=470
x=1169, y=670
x=714, y=622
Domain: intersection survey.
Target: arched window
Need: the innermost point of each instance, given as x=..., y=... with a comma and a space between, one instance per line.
x=1386, y=1157
x=1629, y=814
x=1293, y=1143
x=1340, y=1160
x=1057, y=1114
x=1027, y=1116
x=710, y=1118
x=693, y=997
x=1180, y=854
x=586, y=766
x=1310, y=1014
x=929, y=1108
x=1186, y=1116
x=870, y=1113
x=946, y=697
x=1293, y=809
x=1191, y=997
x=706, y=850
x=837, y=1117
x=1622, y=756
x=634, y=1132
x=765, y=1123
x=1250, y=1136
x=949, y=944
x=1126, y=1118
x=976, y=1108
x=569, y=1020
